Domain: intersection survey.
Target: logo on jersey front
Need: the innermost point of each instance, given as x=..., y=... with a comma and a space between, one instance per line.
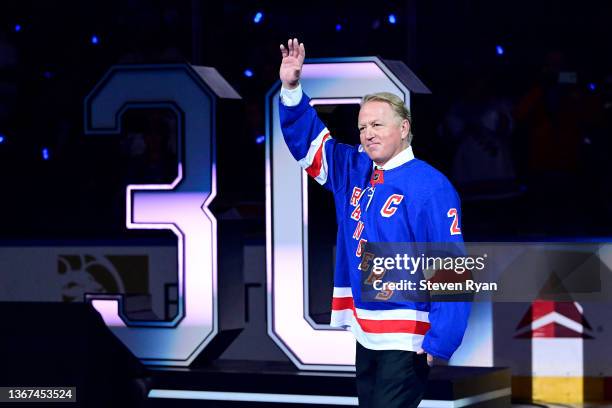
x=360, y=247
x=357, y=192
x=391, y=204
x=358, y=230
x=356, y=214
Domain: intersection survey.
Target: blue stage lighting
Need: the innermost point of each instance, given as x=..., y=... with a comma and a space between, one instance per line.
x=94, y=39
x=45, y=153
x=2, y=137
x=592, y=86
x=48, y=74
x=338, y=27
x=260, y=139
x=258, y=17
x=392, y=19
x=499, y=50
x=17, y=28
x=248, y=73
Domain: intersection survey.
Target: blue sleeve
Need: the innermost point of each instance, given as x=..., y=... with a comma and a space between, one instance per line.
x=310, y=143
x=448, y=319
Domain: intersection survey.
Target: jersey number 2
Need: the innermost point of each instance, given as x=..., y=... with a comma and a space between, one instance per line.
x=454, y=229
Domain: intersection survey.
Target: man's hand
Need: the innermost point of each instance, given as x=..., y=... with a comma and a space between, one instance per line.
x=429, y=357
x=291, y=66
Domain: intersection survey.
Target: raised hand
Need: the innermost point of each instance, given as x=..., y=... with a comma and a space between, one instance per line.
x=291, y=65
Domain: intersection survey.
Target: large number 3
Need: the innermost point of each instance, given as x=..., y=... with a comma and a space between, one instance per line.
x=180, y=206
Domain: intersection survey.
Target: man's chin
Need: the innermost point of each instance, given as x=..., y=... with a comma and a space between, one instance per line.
x=376, y=158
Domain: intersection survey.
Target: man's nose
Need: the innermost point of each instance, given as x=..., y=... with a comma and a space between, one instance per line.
x=369, y=132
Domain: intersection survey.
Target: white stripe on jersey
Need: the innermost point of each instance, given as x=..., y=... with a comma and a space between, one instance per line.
x=394, y=314
x=376, y=341
x=342, y=292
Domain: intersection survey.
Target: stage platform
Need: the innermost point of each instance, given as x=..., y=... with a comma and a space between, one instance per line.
x=233, y=384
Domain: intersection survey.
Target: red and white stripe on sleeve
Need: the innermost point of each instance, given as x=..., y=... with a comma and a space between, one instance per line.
x=315, y=162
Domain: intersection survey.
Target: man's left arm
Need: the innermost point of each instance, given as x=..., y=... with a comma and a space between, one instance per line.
x=448, y=319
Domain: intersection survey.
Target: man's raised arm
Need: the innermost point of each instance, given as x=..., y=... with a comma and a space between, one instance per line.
x=305, y=135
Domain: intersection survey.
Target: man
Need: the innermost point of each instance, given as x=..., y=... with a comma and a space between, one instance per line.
x=382, y=194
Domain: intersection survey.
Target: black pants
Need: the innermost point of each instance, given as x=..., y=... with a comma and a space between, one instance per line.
x=390, y=378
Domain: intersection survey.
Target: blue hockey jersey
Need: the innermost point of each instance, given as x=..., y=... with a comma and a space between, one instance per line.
x=414, y=203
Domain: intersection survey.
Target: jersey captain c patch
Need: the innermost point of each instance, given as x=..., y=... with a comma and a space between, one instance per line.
x=391, y=204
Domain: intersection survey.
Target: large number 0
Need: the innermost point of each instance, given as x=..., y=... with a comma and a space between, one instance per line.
x=180, y=206
x=308, y=345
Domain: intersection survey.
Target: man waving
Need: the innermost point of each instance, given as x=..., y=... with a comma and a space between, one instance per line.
x=382, y=193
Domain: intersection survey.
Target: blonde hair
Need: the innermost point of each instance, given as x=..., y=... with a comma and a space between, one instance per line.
x=396, y=103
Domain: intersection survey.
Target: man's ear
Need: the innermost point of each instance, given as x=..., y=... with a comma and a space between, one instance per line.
x=405, y=128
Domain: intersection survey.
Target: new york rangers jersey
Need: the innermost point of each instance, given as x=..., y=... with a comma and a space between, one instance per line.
x=409, y=201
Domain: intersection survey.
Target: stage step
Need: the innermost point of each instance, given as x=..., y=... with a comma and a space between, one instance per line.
x=233, y=384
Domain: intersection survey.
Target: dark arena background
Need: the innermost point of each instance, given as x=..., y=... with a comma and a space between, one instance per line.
x=159, y=247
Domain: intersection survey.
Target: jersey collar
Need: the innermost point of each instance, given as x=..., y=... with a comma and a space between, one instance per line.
x=402, y=157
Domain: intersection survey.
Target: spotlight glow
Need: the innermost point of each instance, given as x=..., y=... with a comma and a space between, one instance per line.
x=592, y=86
x=499, y=50
x=392, y=19
x=248, y=73
x=1, y=138
x=17, y=28
x=94, y=39
x=338, y=27
x=45, y=153
x=258, y=17
x=260, y=139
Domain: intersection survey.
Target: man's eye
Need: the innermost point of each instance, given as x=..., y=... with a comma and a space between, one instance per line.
x=376, y=125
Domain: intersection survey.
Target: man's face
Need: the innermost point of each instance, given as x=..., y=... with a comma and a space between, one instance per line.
x=382, y=133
